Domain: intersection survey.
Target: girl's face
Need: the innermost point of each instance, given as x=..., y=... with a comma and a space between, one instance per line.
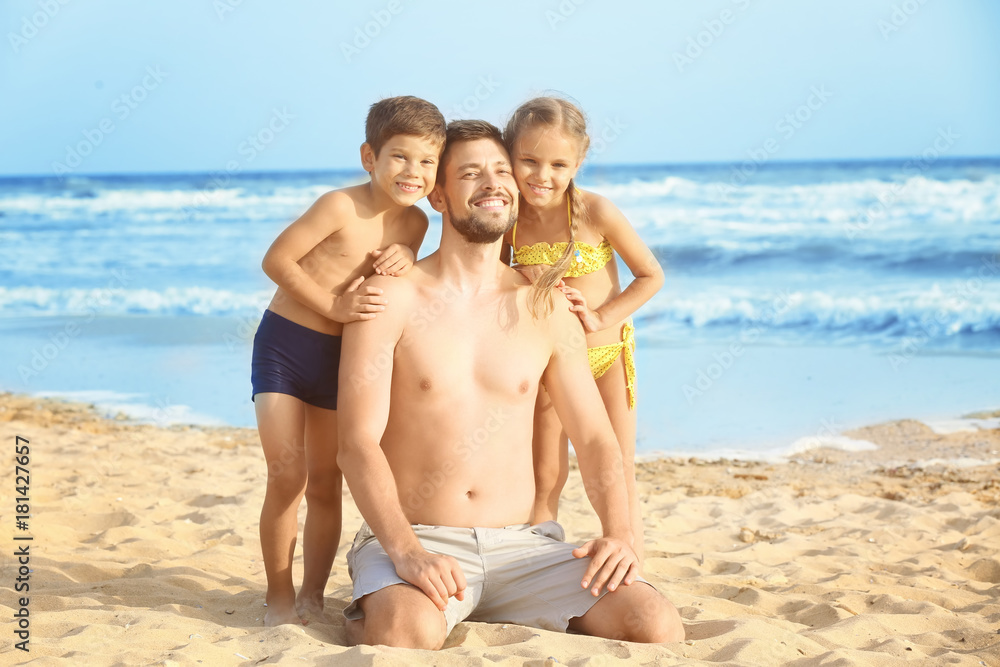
x=545, y=160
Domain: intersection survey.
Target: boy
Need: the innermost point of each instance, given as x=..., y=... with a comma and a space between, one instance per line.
x=318, y=263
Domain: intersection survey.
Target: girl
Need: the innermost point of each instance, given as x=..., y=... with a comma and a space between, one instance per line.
x=566, y=238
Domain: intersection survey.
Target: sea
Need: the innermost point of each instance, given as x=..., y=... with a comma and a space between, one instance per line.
x=802, y=299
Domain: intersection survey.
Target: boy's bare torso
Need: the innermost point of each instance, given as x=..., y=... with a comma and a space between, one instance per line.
x=465, y=375
x=345, y=255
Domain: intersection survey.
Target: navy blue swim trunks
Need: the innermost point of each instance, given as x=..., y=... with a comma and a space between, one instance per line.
x=289, y=358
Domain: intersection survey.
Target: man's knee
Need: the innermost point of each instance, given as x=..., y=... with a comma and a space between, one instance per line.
x=635, y=613
x=404, y=621
x=652, y=619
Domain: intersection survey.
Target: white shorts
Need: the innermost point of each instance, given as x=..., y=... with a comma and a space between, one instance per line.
x=518, y=574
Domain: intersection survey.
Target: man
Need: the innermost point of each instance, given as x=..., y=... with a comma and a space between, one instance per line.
x=436, y=405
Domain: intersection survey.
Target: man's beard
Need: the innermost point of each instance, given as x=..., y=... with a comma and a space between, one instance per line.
x=477, y=228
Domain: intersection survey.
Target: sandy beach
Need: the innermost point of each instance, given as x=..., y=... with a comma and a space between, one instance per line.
x=145, y=551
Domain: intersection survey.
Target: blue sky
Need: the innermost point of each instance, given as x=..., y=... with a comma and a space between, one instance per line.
x=192, y=85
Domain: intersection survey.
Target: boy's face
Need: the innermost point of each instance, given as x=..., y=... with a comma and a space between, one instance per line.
x=405, y=168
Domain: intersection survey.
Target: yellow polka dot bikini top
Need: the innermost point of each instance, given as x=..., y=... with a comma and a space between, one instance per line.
x=587, y=260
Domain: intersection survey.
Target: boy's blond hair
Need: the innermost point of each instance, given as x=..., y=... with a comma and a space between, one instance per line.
x=402, y=115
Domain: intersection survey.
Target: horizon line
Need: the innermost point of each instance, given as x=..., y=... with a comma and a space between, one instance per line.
x=356, y=170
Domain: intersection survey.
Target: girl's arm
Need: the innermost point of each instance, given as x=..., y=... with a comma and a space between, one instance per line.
x=614, y=226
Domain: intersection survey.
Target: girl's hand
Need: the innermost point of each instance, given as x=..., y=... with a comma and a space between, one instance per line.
x=393, y=260
x=532, y=271
x=591, y=319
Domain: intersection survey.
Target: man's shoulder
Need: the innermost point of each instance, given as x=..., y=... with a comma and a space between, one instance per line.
x=402, y=291
x=401, y=285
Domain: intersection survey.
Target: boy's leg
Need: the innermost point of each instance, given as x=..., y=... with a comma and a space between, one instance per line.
x=281, y=424
x=612, y=386
x=321, y=535
x=550, y=449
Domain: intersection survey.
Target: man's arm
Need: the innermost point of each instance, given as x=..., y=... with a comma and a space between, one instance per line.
x=578, y=404
x=363, y=412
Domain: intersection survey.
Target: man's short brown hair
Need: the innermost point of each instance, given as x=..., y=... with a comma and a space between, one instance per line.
x=460, y=131
x=402, y=115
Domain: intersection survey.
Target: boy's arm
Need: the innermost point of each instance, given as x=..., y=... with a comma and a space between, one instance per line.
x=363, y=412
x=615, y=227
x=398, y=258
x=579, y=406
x=281, y=262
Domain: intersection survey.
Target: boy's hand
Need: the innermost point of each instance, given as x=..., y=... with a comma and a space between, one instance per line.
x=612, y=562
x=591, y=319
x=394, y=260
x=358, y=304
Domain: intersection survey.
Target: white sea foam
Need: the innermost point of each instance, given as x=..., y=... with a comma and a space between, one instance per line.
x=114, y=301
x=767, y=454
x=136, y=407
x=947, y=426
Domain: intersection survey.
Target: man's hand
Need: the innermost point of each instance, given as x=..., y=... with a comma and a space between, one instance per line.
x=612, y=562
x=439, y=577
x=591, y=319
x=393, y=260
x=358, y=304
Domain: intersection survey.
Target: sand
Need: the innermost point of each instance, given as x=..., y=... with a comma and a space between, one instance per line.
x=145, y=551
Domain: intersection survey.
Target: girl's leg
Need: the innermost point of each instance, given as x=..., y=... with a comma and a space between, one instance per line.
x=281, y=424
x=612, y=386
x=321, y=535
x=551, y=458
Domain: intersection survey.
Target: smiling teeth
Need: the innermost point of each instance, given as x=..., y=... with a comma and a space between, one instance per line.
x=491, y=203
x=409, y=188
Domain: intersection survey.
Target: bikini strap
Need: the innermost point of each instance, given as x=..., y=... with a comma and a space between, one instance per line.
x=513, y=236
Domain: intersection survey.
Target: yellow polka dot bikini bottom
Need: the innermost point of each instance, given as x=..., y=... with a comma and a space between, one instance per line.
x=604, y=356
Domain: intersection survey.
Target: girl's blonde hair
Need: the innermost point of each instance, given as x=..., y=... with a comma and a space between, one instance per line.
x=552, y=112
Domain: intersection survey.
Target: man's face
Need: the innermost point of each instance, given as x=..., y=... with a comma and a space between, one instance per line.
x=479, y=193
